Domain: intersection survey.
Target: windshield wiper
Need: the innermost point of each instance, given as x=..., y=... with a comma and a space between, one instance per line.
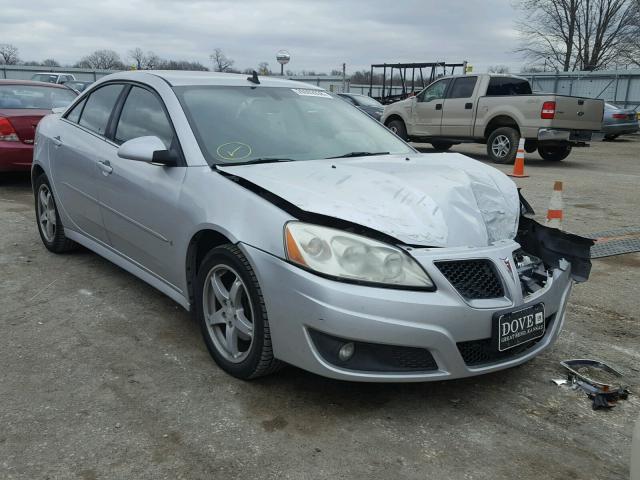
x=256, y=161
x=359, y=154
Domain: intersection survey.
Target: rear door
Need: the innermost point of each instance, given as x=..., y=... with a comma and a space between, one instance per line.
x=459, y=108
x=426, y=113
x=77, y=148
x=140, y=200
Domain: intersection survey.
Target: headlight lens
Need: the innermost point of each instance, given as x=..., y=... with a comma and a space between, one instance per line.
x=353, y=257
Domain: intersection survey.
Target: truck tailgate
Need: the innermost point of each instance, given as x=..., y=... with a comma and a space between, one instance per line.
x=578, y=113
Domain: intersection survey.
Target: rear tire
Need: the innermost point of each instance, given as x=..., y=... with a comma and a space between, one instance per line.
x=398, y=127
x=502, y=145
x=554, y=153
x=611, y=137
x=441, y=146
x=48, y=219
x=230, y=309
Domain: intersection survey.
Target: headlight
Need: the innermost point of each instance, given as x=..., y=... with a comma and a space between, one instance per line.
x=351, y=257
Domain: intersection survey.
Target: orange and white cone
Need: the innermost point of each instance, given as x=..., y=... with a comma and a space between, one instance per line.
x=518, y=166
x=554, y=213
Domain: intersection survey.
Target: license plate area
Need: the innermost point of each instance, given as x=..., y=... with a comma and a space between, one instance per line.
x=519, y=326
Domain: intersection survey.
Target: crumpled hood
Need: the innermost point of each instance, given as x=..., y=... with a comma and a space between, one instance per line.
x=438, y=200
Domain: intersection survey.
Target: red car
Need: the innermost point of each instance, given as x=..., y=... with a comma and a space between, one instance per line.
x=22, y=104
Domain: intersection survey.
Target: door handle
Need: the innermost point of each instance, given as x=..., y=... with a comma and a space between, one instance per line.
x=438, y=106
x=105, y=166
x=468, y=106
x=56, y=141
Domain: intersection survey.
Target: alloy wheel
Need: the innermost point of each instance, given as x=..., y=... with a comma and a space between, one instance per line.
x=46, y=213
x=228, y=313
x=501, y=146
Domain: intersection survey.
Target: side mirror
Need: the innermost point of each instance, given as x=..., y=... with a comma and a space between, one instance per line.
x=58, y=110
x=147, y=149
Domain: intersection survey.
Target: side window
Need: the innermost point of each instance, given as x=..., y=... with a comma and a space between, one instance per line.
x=97, y=110
x=434, y=91
x=142, y=115
x=74, y=115
x=462, y=87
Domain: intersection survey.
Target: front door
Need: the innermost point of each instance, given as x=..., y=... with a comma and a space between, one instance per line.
x=427, y=110
x=458, y=111
x=140, y=200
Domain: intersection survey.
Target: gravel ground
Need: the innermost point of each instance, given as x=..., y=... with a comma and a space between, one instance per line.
x=102, y=377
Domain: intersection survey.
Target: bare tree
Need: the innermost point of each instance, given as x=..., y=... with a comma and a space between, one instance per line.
x=263, y=68
x=498, y=69
x=577, y=34
x=221, y=63
x=144, y=61
x=102, y=60
x=8, y=54
x=50, y=62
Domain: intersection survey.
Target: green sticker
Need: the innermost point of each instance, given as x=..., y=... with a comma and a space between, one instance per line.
x=233, y=151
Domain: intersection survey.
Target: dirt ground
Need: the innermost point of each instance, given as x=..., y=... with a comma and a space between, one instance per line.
x=102, y=377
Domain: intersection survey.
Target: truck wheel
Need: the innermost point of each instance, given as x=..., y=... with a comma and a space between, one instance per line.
x=441, y=146
x=555, y=152
x=502, y=145
x=398, y=127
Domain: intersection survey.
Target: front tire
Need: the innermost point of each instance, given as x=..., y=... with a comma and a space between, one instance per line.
x=554, y=153
x=48, y=219
x=398, y=127
x=502, y=145
x=232, y=314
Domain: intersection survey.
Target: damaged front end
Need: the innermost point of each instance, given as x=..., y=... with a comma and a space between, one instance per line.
x=544, y=247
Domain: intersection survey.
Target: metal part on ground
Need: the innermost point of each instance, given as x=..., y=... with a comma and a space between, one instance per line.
x=605, y=389
x=615, y=242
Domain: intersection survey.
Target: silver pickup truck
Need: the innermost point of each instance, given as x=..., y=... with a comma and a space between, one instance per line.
x=497, y=110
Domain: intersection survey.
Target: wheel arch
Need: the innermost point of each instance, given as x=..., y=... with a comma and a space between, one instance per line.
x=203, y=241
x=36, y=171
x=498, y=122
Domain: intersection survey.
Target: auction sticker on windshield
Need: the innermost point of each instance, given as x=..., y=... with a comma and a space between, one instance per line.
x=521, y=326
x=233, y=151
x=310, y=92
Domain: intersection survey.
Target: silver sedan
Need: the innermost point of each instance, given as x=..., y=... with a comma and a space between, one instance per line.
x=298, y=230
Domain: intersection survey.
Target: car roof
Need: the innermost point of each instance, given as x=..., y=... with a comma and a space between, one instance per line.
x=179, y=78
x=30, y=82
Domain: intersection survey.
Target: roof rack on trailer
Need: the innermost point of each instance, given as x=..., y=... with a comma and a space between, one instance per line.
x=422, y=74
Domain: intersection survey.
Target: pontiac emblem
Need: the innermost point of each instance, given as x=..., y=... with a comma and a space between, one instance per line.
x=507, y=264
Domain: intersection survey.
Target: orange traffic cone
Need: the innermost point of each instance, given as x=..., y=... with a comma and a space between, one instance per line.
x=518, y=166
x=554, y=213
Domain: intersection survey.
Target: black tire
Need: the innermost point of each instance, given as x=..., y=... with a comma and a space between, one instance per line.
x=610, y=137
x=398, y=127
x=506, y=145
x=258, y=357
x=53, y=238
x=441, y=146
x=555, y=153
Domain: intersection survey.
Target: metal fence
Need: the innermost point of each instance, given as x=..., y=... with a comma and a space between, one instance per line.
x=21, y=72
x=620, y=87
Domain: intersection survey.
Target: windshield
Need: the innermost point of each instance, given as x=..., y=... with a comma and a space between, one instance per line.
x=244, y=124
x=36, y=97
x=367, y=101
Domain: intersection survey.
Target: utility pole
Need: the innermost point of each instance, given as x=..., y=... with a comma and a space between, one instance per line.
x=344, y=77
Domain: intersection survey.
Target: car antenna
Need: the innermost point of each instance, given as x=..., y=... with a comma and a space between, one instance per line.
x=254, y=78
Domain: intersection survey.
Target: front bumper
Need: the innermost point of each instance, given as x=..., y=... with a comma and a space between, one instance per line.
x=299, y=302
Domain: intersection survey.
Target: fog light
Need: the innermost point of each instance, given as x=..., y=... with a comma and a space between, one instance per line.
x=346, y=351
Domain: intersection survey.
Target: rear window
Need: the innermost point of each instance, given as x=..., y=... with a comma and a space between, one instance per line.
x=499, y=86
x=35, y=97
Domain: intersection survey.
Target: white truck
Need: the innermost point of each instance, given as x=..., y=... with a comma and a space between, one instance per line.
x=496, y=110
x=53, y=77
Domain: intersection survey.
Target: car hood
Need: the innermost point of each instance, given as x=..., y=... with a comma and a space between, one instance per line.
x=438, y=200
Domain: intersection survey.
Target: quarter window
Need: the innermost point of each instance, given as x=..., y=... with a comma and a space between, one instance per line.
x=97, y=111
x=462, y=87
x=74, y=115
x=142, y=115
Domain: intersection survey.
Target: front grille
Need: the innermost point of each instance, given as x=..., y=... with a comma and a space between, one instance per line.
x=473, y=279
x=485, y=351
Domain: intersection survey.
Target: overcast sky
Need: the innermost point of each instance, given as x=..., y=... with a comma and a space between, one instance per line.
x=319, y=34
